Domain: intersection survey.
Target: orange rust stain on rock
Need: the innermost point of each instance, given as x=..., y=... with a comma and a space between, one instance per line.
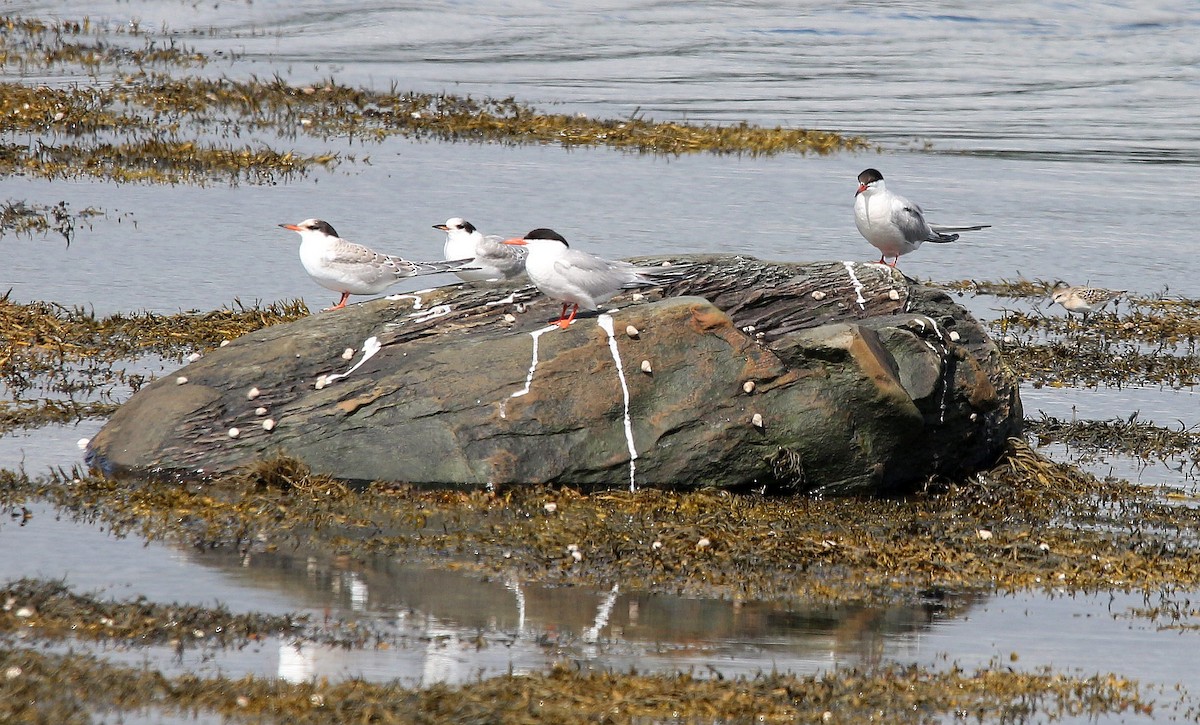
x=353, y=404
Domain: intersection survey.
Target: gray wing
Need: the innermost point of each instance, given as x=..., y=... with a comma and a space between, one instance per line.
x=349, y=255
x=910, y=220
x=508, y=258
x=599, y=273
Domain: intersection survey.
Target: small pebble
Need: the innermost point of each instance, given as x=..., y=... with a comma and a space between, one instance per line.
x=268, y=424
x=13, y=672
x=1044, y=546
x=703, y=543
x=550, y=507
x=24, y=613
x=893, y=294
x=509, y=317
x=647, y=367
x=347, y=353
x=317, y=700
x=757, y=420
x=638, y=296
x=577, y=555
x=253, y=393
x=194, y=357
x=1009, y=339
x=656, y=545
x=234, y=432
x=181, y=380
x=224, y=343
x=260, y=411
x=818, y=295
x=242, y=701
x=748, y=387
x=632, y=331
x=572, y=548
x=984, y=534
x=954, y=336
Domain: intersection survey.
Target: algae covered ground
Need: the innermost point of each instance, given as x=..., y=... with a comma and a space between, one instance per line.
x=145, y=113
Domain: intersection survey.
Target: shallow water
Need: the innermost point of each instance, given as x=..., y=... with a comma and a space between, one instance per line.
x=1067, y=126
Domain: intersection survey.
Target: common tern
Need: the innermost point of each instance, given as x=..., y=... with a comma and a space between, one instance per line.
x=1082, y=299
x=352, y=269
x=496, y=261
x=894, y=225
x=578, y=278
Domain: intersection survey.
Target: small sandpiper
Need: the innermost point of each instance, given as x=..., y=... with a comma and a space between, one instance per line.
x=1082, y=299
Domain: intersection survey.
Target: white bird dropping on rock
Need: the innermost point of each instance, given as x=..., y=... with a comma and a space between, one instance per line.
x=632, y=331
x=269, y=424
x=757, y=420
x=320, y=382
x=647, y=367
x=234, y=432
x=181, y=380
x=260, y=411
x=818, y=295
x=347, y=353
x=748, y=387
x=253, y=393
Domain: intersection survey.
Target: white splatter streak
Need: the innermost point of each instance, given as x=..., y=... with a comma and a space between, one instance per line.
x=370, y=346
x=606, y=323
x=432, y=313
x=858, y=286
x=417, y=302
x=514, y=586
x=535, y=334
x=592, y=633
x=512, y=297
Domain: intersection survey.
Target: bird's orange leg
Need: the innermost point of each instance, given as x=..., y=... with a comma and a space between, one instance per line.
x=341, y=303
x=565, y=323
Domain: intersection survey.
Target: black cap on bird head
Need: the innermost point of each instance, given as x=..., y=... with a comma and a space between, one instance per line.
x=870, y=176
x=544, y=233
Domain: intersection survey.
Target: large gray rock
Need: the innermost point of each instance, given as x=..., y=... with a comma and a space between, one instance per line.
x=862, y=382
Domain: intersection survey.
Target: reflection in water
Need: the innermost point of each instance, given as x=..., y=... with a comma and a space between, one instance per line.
x=425, y=625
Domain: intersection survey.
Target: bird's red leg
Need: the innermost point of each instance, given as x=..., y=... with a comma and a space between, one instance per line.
x=895, y=261
x=565, y=323
x=341, y=303
x=881, y=261
x=562, y=315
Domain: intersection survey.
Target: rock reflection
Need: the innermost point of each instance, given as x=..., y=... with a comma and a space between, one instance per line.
x=430, y=625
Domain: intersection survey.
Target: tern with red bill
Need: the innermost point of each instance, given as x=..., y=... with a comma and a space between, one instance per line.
x=352, y=269
x=579, y=279
x=894, y=225
x=495, y=260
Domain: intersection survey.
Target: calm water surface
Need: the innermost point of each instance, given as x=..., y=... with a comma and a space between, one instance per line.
x=1068, y=126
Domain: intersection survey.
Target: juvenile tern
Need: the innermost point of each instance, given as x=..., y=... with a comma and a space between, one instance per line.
x=578, y=278
x=496, y=261
x=352, y=269
x=894, y=225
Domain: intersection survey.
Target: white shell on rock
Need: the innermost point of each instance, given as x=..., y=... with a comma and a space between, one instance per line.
x=234, y=432
x=647, y=367
x=632, y=331
x=893, y=294
x=253, y=393
x=268, y=424
x=757, y=420
x=260, y=411
x=748, y=387
x=181, y=380
x=818, y=295
x=347, y=353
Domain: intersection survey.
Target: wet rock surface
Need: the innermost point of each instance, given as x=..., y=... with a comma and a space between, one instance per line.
x=838, y=378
